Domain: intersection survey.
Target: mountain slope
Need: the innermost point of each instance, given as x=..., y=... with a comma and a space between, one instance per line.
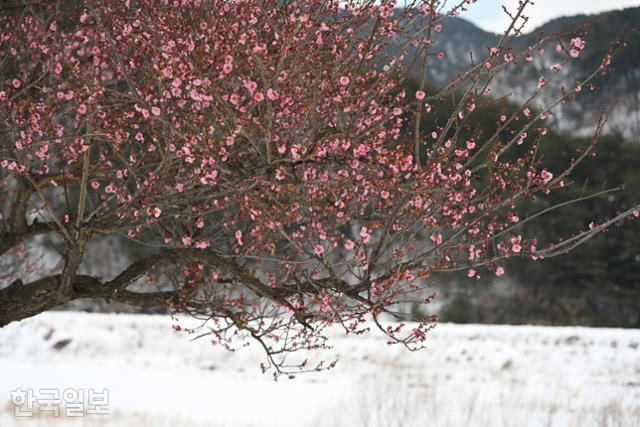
x=462, y=40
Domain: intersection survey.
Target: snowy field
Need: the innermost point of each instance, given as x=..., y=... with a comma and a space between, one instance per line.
x=470, y=375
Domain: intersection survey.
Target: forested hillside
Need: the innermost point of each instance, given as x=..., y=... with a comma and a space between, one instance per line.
x=462, y=41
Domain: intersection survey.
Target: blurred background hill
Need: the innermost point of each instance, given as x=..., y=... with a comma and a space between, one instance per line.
x=462, y=40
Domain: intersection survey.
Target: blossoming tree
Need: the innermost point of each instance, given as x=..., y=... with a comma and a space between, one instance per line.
x=269, y=154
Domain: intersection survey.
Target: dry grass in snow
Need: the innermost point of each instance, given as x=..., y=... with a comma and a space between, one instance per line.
x=470, y=375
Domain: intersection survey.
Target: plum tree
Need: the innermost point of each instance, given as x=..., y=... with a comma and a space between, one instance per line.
x=269, y=155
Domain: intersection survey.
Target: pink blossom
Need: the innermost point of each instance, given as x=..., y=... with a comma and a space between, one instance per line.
x=577, y=45
x=471, y=272
x=250, y=85
x=295, y=152
x=155, y=111
x=344, y=80
x=420, y=95
x=318, y=249
x=326, y=301
x=187, y=241
x=157, y=212
x=361, y=151
x=375, y=289
x=16, y=83
x=499, y=271
x=58, y=68
x=546, y=176
x=365, y=234
x=349, y=245
x=195, y=95
x=202, y=244
x=436, y=238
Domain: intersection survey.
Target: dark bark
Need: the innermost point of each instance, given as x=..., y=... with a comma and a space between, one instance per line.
x=20, y=301
x=21, y=194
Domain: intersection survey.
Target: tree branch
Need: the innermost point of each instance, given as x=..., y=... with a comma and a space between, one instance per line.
x=20, y=301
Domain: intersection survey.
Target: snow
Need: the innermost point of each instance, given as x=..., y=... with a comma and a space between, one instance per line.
x=470, y=375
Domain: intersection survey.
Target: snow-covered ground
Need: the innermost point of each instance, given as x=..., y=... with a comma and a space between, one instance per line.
x=470, y=375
